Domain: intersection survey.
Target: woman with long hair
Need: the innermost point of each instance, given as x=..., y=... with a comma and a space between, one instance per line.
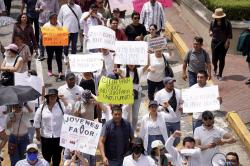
x=221, y=33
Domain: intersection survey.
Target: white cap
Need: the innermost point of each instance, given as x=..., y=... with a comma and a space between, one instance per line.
x=32, y=146
x=157, y=144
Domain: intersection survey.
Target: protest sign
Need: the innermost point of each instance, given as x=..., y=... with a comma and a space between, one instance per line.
x=122, y=5
x=157, y=43
x=113, y=91
x=138, y=4
x=39, y=70
x=131, y=52
x=80, y=134
x=24, y=79
x=101, y=37
x=55, y=36
x=200, y=99
x=85, y=62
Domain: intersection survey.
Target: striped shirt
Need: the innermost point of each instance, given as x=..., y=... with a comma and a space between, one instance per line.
x=152, y=15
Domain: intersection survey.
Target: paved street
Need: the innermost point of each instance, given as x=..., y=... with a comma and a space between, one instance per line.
x=231, y=88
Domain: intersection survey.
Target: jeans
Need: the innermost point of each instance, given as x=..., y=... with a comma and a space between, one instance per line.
x=115, y=162
x=21, y=142
x=51, y=149
x=50, y=52
x=152, y=138
x=196, y=123
x=172, y=127
x=91, y=159
x=41, y=41
x=152, y=86
x=73, y=39
x=192, y=78
x=36, y=27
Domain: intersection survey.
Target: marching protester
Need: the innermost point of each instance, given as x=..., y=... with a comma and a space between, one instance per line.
x=23, y=26
x=17, y=123
x=152, y=13
x=135, y=31
x=233, y=159
x=116, y=14
x=152, y=33
x=32, y=157
x=158, y=154
x=8, y=6
x=196, y=59
x=221, y=32
x=54, y=49
x=48, y=122
x=172, y=96
x=138, y=156
x=69, y=16
x=116, y=137
x=208, y=137
x=44, y=8
x=73, y=158
x=119, y=33
x=104, y=11
x=189, y=155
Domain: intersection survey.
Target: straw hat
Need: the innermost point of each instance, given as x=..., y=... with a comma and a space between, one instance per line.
x=218, y=13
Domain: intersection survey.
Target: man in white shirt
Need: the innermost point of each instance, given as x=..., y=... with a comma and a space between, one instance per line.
x=69, y=16
x=70, y=91
x=172, y=96
x=138, y=157
x=208, y=138
x=152, y=13
x=189, y=155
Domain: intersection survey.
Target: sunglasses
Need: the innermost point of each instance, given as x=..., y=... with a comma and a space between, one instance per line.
x=208, y=118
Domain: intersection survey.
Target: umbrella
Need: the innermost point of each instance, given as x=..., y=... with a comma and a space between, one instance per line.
x=11, y=95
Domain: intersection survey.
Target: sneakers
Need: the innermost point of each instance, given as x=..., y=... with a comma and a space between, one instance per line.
x=40, y=58
x=50, y=73
x=219, y=77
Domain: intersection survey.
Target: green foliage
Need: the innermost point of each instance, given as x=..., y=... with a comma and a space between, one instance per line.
x=234, y=9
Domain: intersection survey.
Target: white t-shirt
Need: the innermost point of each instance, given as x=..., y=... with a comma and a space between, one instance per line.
x=162, y=96
x=159, y=66
x=91, y=21
x=142, y=161
x=206, y=137
x=153, y=128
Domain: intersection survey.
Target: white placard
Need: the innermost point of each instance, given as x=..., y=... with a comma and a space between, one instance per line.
x=24, y=79
x=80, y=134
x=39, y=70
x=101, y=37
x=201, y=99
x=157, y=43
x=85, y=62
x=131, y=52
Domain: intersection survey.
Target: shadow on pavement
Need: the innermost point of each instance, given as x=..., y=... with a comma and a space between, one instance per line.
x=235, y=77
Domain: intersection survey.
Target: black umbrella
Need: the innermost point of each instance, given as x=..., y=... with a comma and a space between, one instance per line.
x=11, y=95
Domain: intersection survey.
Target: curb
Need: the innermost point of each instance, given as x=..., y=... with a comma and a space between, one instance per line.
x=232, y=117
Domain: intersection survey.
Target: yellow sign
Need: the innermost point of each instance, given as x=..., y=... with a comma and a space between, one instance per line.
x=55, y=36
x=113, y=91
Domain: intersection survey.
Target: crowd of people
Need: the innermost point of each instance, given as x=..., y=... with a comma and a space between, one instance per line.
x=125, y=139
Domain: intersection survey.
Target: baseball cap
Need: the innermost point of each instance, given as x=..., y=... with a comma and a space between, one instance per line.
x=70, y=76
x=168, y=80
x=12, y=47
x=157, y=144
x=138, y=141
x=32, y=146
x=116, y=10
x=153, y=102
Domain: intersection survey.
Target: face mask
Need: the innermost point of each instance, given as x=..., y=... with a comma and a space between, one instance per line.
x=137, y=150
x=32, y=156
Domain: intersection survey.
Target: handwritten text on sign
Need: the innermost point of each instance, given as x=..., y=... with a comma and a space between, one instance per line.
x=55, y=36
x=157, y=43
x=85, y=62
x=80, y=134
x=113, y=91
x=131, y=52
x=101, y=37
x=138, y=4
x=200, y=99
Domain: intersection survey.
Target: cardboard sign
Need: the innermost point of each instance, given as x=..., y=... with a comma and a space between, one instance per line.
x=85, y=62
x=200, y=99
x=131, y=52
x=55, y=36
x=122, y=5
x=80, y=134
x=101, y=37
x=24, y=80
x=138, y=4
x=113, y=91
x=157, y=43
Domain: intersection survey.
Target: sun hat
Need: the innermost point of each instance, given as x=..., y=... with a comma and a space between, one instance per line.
x=51, y=91
x=32, y=146
x=218, y=13
x=12, y=47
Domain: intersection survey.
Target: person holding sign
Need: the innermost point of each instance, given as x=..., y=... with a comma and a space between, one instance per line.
x=152, y=33
x=116, y=137
x=116, y=14
x=54, y=49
